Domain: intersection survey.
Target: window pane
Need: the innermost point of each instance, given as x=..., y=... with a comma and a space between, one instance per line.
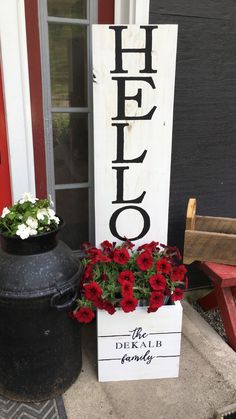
x=68, y=8
x=72, y=206
x=70, y=142
x=68, y=65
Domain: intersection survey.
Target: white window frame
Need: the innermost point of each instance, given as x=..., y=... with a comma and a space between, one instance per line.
x=14, y=61
x=48, y=109
x=132, y=11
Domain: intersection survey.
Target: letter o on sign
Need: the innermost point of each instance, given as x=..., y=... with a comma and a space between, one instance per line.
x=115, y=215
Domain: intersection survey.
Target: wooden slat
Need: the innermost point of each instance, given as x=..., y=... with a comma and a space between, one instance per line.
x=215, y=224
x=213, y=247
x=191, y=214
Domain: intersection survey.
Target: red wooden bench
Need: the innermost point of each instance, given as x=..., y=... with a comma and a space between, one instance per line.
x=223, y=278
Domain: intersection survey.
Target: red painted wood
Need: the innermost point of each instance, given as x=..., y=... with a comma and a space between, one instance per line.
x=5, y=184
x=224, y=294
x=227, y=308
x=105, y=11
x=224, y=275
x=208, y=302
x=35, y=79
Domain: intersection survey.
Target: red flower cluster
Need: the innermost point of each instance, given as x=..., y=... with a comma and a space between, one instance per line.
x=119, y=276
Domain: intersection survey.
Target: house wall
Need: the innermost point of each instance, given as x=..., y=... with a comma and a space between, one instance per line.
x=204, y=132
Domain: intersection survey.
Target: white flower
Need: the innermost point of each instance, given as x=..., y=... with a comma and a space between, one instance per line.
x=56, y=219
x=5, y=211
x=41, y=213
x=51, y=213
x=23, y=231
x=32, y=223
x=27, y=196
x=52, y=216
x=33, y=232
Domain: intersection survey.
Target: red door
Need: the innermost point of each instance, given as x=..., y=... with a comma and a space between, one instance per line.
x=5, y=187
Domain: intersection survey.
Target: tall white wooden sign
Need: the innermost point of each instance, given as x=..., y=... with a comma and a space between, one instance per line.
x=134, y=74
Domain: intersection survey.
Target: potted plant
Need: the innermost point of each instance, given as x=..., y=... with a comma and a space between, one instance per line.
x=28, y=217
x=40, y=346
x=139, y=317
x=117, y=276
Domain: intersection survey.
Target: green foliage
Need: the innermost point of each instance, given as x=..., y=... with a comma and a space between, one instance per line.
x=29, y=216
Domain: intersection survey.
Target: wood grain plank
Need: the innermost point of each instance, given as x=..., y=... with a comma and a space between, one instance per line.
x=215, y=224
x=191, y=214
x=213, y=247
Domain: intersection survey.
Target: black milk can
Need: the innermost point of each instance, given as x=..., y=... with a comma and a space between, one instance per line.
x=40, y=345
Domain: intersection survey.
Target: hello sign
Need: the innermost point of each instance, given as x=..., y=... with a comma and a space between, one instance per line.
x=134, y=73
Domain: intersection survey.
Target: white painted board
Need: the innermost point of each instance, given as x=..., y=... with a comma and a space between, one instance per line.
x=139, y=345
x=132, y=184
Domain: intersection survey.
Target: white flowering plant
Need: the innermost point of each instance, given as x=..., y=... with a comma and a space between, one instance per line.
x=29, y=216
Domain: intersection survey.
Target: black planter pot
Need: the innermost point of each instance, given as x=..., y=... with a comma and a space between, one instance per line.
x=40, y=345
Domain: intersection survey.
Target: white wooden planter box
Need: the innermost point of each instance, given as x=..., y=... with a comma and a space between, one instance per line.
x=139, y=345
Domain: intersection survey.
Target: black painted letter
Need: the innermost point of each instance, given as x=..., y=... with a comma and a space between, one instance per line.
x=115, y=215
x=120, y=188
x=147, y=50
x=120, y=147
x=121, y=98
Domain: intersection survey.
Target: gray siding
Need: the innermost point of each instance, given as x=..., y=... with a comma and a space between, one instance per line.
x=204, y=132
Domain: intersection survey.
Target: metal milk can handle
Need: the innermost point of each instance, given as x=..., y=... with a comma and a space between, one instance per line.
x=67, y=305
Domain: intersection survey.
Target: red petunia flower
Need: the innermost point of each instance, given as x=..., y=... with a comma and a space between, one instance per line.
x=87, y=274
x=156, y=301
x=128, y=304
x=84, y=315
x=177, y=294
x=126, y=289
x=126, y=276
x=144, y=261
x=150, y=247
x=96, y=255
x=99, y=303
x=109, y=307
x=163, y=266
x=174, y=252
x=121, y=256
x=106, y=244
x=104, y=277
x=128, y=244
x=92, y=291
x=157, y=282
x=178, y=272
